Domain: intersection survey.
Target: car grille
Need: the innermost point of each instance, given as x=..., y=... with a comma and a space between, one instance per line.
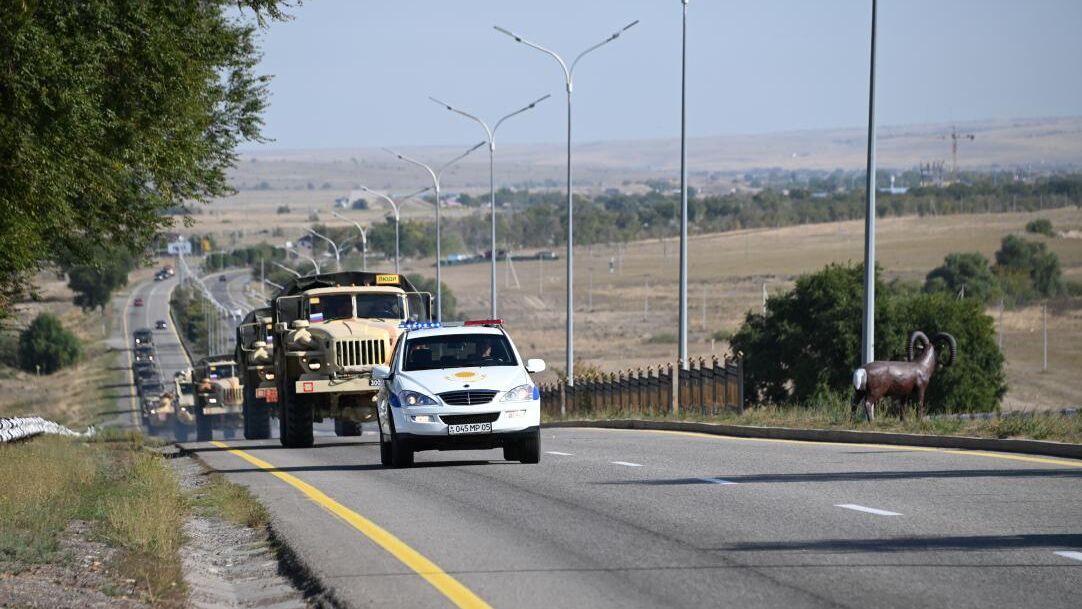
x=360, y=352
x=233, y=395
x=465, y=419
x=470, y=397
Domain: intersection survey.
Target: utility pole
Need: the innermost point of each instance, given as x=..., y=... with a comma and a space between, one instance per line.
x=682, y=349
x=1044, y=328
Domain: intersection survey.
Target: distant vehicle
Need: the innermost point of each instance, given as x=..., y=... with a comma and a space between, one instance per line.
x=219, y=396
x=161, y=325
x=167, y=270
x=160, y=276
x=144, y=353
x=222, y=278
x=457, y=387
x=143, y=336
x=138, y=302
x=183, y=405
x=547, y=255
x=255, y=358
x=145, y=371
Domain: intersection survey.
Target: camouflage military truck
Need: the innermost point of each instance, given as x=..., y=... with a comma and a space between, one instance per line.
x=255, y=357
x=183, y=405
x=329, y=330
x=219, y=396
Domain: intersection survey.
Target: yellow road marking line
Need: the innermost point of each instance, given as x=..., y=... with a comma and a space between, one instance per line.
x=899, y=447
x=450, y=587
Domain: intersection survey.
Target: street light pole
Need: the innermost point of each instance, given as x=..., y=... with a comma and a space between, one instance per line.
x=568, y=81
x=337, y=255
x=867, y=350
x=285, y=268
x=364, y=239
x=308, y=258
x=683, y=346
x=491, y=134
x=435, y=175
x=395, y=207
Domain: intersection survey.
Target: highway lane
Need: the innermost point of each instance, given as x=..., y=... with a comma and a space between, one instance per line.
x=647, y=519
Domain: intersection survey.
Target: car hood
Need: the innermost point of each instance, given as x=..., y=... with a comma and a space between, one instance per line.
x=432, y=382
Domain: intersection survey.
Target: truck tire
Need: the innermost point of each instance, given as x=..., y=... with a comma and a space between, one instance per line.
x=204, y=427
x=345, y=429
x=299, y=421
x=256, y=416
x=529, y=449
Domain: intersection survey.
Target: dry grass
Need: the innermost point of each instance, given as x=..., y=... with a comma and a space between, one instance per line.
x=231, y=502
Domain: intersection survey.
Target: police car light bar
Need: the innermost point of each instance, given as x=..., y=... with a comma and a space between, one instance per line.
x=419, y=325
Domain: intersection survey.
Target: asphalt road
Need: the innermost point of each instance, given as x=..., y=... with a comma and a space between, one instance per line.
x=666, y=519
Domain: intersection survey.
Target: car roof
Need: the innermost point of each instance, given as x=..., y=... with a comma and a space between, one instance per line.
x=447, y=331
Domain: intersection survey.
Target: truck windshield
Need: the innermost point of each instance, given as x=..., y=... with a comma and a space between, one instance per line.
x=330, y=306
x=185, y=388
x=379, y=306
x=221, y=371
x=458, y=351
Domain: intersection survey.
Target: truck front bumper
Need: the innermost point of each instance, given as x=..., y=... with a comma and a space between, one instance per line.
x=310, y=384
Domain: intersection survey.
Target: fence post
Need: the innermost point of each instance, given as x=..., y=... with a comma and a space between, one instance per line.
x=714, y=385
x=740, y=381
x=674, y=392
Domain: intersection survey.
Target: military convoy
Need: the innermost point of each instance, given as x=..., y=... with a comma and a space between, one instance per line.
x=328, y=331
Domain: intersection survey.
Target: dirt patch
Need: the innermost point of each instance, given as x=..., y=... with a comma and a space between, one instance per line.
x=85, y=579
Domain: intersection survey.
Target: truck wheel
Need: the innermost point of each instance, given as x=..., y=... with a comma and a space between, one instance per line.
x=299, y=420
x=344, y=429
x=401, y=455
x=529, y=449
x=283, y=422
x=180, y=431
x=256, y=419
x=204, y=430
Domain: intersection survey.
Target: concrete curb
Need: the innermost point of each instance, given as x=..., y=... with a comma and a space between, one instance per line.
x=1034, y=447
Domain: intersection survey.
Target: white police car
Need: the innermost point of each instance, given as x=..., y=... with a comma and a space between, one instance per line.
x=457, y=387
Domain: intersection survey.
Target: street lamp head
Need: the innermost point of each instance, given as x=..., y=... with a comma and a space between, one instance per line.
x=444, y=104
x=509, y=33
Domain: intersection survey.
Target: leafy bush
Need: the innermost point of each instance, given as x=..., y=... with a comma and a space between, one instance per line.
x=1018, y=259
x=46, y=343
x=283, y=209
x=808, y=343
x=968, y=270
x=424, y=284
x=1040, y=226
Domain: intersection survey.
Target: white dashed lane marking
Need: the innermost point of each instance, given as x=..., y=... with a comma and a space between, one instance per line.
x=627, y=464
x=556, y=452
x=861, y=508
x=716, y=481
x=1071, y=555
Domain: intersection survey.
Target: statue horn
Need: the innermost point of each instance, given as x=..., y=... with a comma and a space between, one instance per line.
x=913, y=338
x=951, y=344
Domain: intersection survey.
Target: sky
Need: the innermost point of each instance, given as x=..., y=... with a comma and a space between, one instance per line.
x=358, y=73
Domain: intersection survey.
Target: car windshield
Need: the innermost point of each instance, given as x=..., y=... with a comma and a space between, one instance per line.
x=186, y=388
x=458, y=351
x=330, y=306
x=152, y=389
x=379, y=306
x=221, y=371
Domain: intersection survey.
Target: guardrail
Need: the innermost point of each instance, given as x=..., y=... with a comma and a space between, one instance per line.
x=706, y=387
x=19, y=428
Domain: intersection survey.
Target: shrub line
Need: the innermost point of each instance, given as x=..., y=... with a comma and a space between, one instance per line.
x=1035, y=447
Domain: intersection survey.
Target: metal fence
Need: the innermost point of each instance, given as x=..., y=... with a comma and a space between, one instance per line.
x=706, y=388
x=19, y=428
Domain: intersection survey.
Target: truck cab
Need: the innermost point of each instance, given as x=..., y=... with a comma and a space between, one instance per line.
x=219, y=395
x=255, y=357
x=330, y=331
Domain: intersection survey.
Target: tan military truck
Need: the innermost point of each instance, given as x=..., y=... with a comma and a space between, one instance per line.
x=219, y=396
x=329, y=331
x=255, y=356
x=183, y=405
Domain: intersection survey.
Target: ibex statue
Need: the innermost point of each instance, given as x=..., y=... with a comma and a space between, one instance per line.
x=877, y=380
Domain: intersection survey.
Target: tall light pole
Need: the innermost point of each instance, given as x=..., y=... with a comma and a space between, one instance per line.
x=337, y=254
x=491, y=134
x=364, y=239
x=285, y=268
x=289, y=247
x=683, y=346
x=867, y=350
x=436, y=174
x=396, y=208
x=568, y=81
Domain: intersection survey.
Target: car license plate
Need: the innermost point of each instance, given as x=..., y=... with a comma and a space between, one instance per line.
x=469, y=428
x=375, y=382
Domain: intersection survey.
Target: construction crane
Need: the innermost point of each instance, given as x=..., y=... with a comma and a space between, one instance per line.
x=954, y=137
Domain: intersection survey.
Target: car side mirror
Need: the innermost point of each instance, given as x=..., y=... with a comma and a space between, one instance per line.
x=381, y=372
x=533, y=366
x=281, y=327
x=300, y=324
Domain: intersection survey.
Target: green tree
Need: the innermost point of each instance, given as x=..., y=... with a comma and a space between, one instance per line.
x=960, y=270
x=94, y=285
x=1040, y=226
x=48, y=344
x=1018, y=258
x=426, y=284
x=112, y=113
x=809, y=341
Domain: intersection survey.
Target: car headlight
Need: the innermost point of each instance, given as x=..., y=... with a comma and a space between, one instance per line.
x=269, y=376
x=314, y=364
x=519, y=394
x=424, y=418
x=212, y=400
x=414, y=398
